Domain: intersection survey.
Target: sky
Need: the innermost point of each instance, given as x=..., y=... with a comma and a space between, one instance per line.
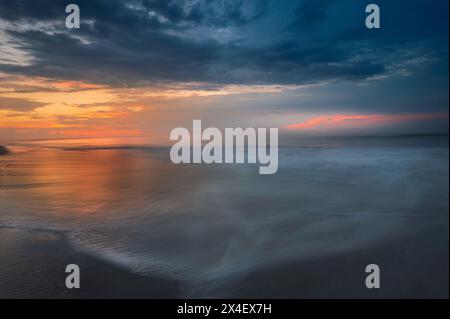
x=145, y=67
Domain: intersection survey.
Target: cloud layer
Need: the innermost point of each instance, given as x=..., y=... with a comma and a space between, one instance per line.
x=224, y=42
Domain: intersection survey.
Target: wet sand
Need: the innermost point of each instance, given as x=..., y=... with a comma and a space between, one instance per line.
x=415, y=267
x=33, y=266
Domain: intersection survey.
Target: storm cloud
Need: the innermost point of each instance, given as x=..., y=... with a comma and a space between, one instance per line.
x=128, y=43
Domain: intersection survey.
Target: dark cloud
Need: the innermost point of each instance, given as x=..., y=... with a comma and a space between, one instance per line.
x=310, y=12
x=128, y=43
x=141, y=13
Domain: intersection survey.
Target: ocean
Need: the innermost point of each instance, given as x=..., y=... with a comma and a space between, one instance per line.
x=211, y=231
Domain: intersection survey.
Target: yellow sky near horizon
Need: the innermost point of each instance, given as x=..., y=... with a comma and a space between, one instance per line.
x=73, y=108
x=44, y=108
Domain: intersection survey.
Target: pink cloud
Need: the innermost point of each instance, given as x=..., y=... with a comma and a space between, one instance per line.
x=364, y=120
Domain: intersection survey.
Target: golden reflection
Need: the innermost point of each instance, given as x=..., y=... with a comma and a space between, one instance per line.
x=90, y=183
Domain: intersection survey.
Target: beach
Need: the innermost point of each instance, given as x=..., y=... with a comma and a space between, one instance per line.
x=36, y=270
x=140, y=227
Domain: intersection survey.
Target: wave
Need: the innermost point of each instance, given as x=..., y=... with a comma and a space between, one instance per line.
x=37, y=227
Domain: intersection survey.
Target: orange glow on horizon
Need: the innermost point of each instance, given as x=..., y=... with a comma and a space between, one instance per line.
x=99, y=133
x=40, y=107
